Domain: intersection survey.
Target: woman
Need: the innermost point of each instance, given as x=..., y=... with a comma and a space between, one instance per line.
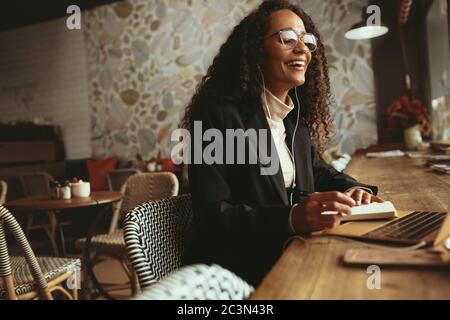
x=271, y=74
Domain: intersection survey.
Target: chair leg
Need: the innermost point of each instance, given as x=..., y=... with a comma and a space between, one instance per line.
x=67, y=280
x=63, y=291
x=75, y=293
x=132, y=275
x=61, y=235
x=115, y=217
x=51, y=232
x=45, y=294
x=135, y=287
x=28, y=225
x=126, y=266
x=75, y=288
x=87, y=287
x=10, y=289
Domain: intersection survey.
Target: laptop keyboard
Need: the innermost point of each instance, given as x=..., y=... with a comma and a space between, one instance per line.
x=414, y=226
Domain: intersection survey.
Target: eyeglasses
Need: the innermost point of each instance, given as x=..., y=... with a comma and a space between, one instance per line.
x=290, y=39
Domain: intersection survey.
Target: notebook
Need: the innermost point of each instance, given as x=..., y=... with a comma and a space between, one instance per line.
x=374, y=210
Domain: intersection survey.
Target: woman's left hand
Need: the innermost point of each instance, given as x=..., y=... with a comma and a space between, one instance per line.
x=362, y=196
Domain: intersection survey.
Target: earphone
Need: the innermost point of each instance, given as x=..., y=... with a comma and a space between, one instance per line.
x=293, y=136
x=293, y=144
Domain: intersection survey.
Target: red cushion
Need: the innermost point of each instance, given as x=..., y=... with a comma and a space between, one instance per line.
x=97, y=172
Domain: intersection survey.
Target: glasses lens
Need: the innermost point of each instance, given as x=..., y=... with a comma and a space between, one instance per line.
x=310, y=41
x=289, y=38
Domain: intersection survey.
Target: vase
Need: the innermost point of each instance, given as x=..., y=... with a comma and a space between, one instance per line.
x=412, y=137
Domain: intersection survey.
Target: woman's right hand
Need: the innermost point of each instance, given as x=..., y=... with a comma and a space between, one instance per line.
x=307, y=215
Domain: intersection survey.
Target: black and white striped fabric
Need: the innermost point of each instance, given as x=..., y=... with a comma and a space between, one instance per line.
x=155, y=234
x=198, y=282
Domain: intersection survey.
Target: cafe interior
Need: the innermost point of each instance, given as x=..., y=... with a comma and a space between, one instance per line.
x=93, y=206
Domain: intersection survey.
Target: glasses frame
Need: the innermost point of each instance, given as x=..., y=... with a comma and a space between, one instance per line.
x=300, y=38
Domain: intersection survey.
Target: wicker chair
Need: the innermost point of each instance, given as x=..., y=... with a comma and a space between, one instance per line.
x=36, y=183
x=155, y=234
x=3, y=191
x=198, y=282
x=29, y=277
x=139, y=188
x=116, y=180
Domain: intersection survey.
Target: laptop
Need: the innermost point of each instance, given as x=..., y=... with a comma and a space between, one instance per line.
x=410, y=228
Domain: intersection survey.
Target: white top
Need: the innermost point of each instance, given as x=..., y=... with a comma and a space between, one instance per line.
x=275, y=111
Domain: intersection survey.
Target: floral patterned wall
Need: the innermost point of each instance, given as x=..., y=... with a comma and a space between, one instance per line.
x=145, y=58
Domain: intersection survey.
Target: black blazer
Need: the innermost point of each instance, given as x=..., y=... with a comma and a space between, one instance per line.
x=241, y=216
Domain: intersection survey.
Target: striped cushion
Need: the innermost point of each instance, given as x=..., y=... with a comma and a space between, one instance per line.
x=50, y=266
x=198, y=282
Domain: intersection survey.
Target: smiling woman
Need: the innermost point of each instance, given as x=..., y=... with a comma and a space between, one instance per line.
x=287, y=55
x=271, y=76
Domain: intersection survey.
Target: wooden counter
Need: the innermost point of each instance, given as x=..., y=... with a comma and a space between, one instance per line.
x=313, y=268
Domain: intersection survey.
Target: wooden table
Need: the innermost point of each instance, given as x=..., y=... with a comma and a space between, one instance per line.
x=42, y=204
x=313, y=269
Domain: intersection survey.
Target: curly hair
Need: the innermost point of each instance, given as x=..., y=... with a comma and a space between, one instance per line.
x=235, y=72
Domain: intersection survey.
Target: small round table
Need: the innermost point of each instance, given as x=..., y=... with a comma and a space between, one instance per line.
x=36, y=205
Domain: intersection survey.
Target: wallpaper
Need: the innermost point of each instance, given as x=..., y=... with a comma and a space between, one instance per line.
x=145, y=59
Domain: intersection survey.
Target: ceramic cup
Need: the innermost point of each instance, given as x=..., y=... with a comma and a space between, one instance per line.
x=81, y=189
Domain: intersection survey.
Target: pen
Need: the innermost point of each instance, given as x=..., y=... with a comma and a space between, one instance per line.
x=304, y=193
x=298, y=193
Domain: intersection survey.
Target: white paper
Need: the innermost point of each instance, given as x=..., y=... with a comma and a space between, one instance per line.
x=372, y=208
x=385, y=154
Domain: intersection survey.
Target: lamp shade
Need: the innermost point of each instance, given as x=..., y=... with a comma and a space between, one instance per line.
x=362, y=30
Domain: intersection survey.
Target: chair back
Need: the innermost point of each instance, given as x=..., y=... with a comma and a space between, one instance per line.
x=155, y=234
x=36, y=183
x=117, y=178
x=143, y=187
x=3, y=191
x=198, y=282
x=8, y=221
